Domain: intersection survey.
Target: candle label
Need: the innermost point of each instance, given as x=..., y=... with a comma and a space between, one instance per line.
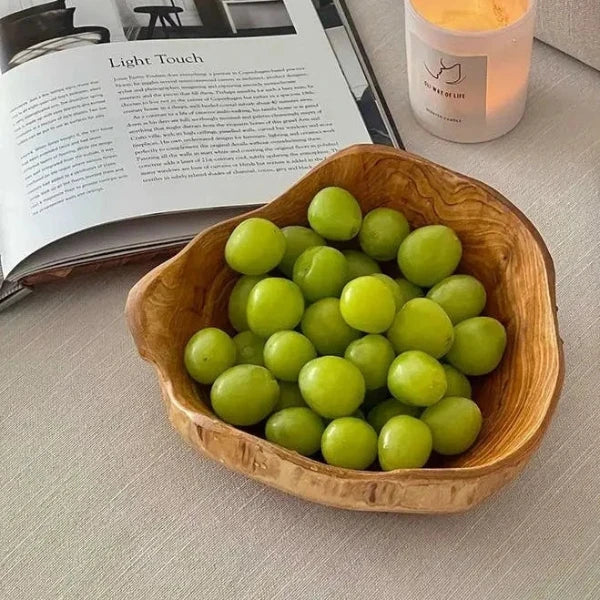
x=447, y=89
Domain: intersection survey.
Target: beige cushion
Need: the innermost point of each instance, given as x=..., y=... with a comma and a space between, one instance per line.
x=572, y=26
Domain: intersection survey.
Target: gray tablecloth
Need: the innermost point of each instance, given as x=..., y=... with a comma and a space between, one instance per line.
x=100, y=498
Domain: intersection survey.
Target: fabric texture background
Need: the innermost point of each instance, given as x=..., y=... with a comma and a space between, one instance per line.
x=573, y=26
x=101, y=499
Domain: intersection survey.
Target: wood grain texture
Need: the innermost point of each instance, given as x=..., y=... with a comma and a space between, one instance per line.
x=501, y=248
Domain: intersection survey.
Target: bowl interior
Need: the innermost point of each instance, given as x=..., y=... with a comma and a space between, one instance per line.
x=501, y=248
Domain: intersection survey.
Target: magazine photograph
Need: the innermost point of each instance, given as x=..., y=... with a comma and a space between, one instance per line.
x=34, y=29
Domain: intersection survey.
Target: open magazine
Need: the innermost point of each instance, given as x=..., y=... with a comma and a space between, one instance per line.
x=126, y=126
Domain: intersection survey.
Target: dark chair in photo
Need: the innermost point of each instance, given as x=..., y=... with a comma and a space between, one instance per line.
x=167, y=15
x=41, y=30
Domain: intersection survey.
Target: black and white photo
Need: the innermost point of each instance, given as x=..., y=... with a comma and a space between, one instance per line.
x=31, y=29
x=181, y=19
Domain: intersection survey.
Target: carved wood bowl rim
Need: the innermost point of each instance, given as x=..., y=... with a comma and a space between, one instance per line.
x=429, y=490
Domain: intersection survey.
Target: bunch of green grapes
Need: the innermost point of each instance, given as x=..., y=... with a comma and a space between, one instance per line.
x=326, y=334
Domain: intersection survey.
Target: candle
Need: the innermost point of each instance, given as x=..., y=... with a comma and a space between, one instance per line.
x=468, y=65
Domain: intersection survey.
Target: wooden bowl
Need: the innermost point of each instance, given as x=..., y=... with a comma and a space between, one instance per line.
x=501, y=248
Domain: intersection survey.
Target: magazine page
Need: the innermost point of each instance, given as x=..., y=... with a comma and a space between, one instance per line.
x=113, y=109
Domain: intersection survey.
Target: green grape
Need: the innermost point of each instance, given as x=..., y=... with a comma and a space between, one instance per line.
x=458, y=384
x=297, y=240
x=324, y=326
x=393, y=287
x=375, y=397
x=429, y=254
x=417, y=379
x=479, y=344
x=244, y=395
x=274, y=304
x=335, y=214
x=368, y=305
x=461, y=296
x=404, y=443
x=332, y=386
x=382, y=232
x=321, y=272
x=359, y=264
x=408, y=290
x=296, y=428
x=286, y=352
x=373, y=355
x=349, y=443
x=208, y=353
x=455, y=424
x=379, y=415
x=421, y=324
x=289, y=395
x=249, y=348
x=255, y=247
x=238, y=300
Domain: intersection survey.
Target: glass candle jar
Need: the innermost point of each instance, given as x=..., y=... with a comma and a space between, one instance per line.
x=468, y=72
